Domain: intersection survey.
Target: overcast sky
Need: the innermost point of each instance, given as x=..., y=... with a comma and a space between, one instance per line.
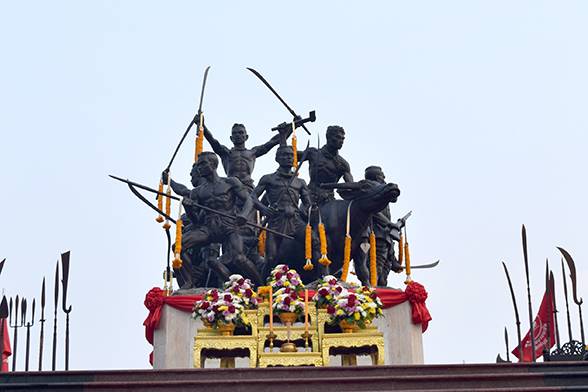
x=477, y=110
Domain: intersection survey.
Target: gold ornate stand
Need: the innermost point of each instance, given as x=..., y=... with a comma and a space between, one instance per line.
x=313, y=350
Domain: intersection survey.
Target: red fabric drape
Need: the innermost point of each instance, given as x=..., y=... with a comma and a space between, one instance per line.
x=415, y=293
x=7, y=351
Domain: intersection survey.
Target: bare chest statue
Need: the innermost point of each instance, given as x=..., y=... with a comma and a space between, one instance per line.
x=240, y=163
x=217, y=195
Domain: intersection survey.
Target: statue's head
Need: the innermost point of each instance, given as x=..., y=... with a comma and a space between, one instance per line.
x=375, y=173
x=194, y=174
x=285, y=156
x=207, y=163
x=239, y=134
x=335, y=136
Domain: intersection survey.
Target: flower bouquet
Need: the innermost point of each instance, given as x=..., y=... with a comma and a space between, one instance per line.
x=243, y=290
x=328, y=288
x=221, y=311
x=354, y=309
x=287, y=305
x=284, y=277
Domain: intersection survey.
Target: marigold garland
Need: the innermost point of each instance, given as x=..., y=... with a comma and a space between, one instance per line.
x=294, y=148
x=346, y=258
x=159, y=218
x=324, y=260
x=261, y=243
x=199, y=138
x=308, y=248
x=373, y=268
x=401, y=249
x=407, y=256
x=167, y=225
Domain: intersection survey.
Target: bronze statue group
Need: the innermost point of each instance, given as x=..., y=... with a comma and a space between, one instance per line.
x=215, y=246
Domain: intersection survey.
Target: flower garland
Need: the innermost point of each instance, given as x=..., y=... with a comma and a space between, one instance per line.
x=360, y=306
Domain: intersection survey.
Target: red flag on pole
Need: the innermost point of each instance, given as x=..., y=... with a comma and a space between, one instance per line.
x=7, y=351
x=543, y=331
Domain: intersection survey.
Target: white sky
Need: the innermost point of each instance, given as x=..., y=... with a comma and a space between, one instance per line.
x=476, y=109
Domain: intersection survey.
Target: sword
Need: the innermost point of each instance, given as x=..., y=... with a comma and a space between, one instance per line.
x=29, y=325
x=56, y=299
x=563, y=274
x=526, y=259
x=197, y=205
x=572, y=267
x=3, y=316
x=196, y=117
x=516, y=310
x=66, y=310
x=278, y=96
x=422, y=266
x=42, y=321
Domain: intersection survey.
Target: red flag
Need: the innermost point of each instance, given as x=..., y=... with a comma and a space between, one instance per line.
x=543, y=331
x=7, y=351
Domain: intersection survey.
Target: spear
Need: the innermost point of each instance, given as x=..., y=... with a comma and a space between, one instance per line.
x=565, y=285
x=16, y=326
x=552, y=289
x=56, y=299
x=516, y=310
x=2, y=265
x=549, y=309
x=66, y=310
x=579, y=302
x=526, y=258
x=29, y=325
x=42, y=321
x=3, y=316
x=506, y=343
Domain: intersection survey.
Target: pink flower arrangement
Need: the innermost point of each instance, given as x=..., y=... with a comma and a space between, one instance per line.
x=217, y=308
x=287, y=299
x=284, y=277
x=328, y=288
x=358, y=305
x=243, y=289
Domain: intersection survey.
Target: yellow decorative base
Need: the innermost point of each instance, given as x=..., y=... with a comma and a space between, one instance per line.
x=290, y=359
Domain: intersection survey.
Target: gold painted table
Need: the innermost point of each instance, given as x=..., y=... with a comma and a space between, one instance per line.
x=225, y=347
x=300, y=358
x=368, y=341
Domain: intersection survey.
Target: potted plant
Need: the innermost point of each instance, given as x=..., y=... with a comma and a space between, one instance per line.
x=284, y=277
x=243, y=290
x=355, y=308
x=287, y=305
x=328, y=288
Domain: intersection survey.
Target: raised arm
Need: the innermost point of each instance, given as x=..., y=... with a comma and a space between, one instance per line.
x=266, y=147
x=179, y=189
x=218, y=148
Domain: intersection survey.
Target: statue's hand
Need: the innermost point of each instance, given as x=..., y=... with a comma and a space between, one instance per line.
x=269, y=212
x=165, y=175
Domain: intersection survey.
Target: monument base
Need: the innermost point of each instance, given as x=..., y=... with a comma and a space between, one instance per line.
x=173, y=340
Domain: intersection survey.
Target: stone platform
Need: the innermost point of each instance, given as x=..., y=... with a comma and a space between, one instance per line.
x=174, y=340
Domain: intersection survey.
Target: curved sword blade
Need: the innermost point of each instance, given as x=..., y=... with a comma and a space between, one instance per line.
x=65, y=280
x=423, y=266
x=202, y=91
x=514, y=303
x=572, y=267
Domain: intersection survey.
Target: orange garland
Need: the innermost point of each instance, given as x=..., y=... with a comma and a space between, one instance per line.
x=308, y=248
x=261, y=243
x=373, y=268
x=294, y=148
x=401, y=249
x=167, y=225
x=159, y=218
x=347, y=247
x=324, y=260
x=407, y=255
x=177, y=261
x=199, y=140
x=346, y=258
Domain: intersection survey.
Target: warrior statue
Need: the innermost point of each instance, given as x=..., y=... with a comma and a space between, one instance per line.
x=281, y=205
x=194, y=273
x=327, y=166
x=221, y=194
x=239, y=161
x=382, y=225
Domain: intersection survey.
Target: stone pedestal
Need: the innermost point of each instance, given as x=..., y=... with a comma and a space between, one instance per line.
x=174, y=339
